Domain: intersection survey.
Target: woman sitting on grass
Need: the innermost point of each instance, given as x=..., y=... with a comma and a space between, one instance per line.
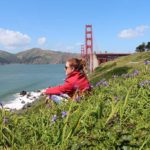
x=76, y=80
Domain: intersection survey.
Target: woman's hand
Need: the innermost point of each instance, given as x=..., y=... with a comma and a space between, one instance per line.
x=43, y=91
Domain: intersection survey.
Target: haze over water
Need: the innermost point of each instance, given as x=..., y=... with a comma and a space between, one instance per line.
x=30, y=77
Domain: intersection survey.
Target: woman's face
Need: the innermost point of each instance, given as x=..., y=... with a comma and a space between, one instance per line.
x=68, y=69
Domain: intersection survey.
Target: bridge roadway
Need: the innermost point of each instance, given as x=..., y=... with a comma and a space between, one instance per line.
x=102, y=58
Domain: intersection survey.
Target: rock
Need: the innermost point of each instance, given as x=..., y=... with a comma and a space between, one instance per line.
x=23, y=102
x=38, y=91
x=28, y=95
x=23, y=93
x=27, y=105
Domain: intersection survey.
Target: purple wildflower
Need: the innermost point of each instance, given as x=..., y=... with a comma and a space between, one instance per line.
x=64, y=114
x=143, y=83
x=54, y=118
x=102, y=82
x=146, y=62
x=136, y=72
x=98, y=83
x=105, y=83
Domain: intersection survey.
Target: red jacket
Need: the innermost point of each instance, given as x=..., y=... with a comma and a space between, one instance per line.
x=74, y=81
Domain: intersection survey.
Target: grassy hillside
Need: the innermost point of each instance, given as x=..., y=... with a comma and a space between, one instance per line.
x=114, y=116
x=122, y=65
x=6, y=58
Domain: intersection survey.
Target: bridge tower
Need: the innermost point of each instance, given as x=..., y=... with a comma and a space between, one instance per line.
x=82, y=51
x=89, y=46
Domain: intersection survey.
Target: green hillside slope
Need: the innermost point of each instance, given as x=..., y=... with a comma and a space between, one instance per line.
x=36, y=56
x=6, y=58
x=115, y=115
x=39, y=56
x=120, y=66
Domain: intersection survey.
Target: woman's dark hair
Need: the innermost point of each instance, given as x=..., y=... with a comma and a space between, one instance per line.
x=77, y=64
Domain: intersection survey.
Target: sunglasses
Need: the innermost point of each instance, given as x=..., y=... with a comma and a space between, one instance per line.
x=66, y=67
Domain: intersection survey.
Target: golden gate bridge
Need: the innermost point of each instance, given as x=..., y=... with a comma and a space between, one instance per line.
x=93, y=59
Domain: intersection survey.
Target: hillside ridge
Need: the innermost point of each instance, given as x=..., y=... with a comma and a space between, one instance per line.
x=36, y=56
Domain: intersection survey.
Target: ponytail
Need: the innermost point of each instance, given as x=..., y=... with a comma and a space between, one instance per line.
x=83, y=65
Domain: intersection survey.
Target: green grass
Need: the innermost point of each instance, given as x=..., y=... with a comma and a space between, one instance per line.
x=114, y=116
x=119, y=66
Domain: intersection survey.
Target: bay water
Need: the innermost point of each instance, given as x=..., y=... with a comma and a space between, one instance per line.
x=15, y=78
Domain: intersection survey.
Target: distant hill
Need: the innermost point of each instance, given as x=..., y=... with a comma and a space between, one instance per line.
x=36, y=56
x=7, y=58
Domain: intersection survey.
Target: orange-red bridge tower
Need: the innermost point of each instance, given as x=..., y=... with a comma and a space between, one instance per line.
x=89, y=46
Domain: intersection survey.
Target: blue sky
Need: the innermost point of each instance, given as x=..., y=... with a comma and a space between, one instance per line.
x=118, y=25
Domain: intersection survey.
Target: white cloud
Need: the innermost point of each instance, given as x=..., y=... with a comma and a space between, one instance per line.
x=41, y=40
x=133, y=33
x=12, y=39
x=67, y=47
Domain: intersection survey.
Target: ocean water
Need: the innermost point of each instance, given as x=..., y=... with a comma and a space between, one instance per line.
x=15, y=78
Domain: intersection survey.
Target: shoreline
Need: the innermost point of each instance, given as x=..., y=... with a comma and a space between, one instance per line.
x=22, y=101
